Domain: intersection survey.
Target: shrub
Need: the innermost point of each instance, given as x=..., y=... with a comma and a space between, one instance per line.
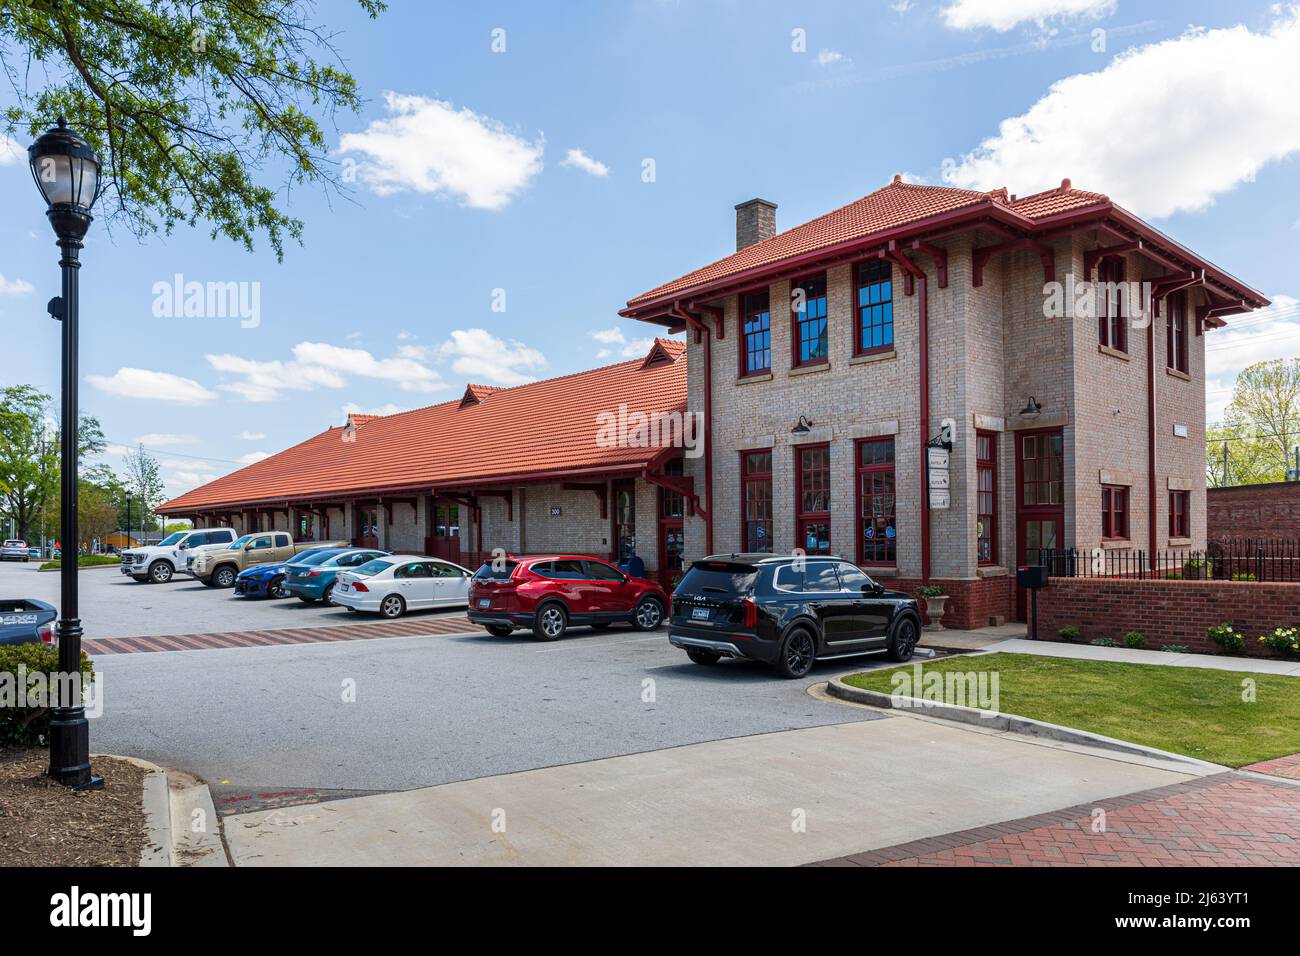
x=1175, y=648
x=1244, y=576
x=1193, y=570
x=1230, y=640
x=930, y=590
x=1134, y=640
x=30, y=726
x=1102, y=642
x=1068, y=633
x=1284, y=640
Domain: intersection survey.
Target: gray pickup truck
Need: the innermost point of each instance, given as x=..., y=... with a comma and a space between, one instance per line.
x=24, y=621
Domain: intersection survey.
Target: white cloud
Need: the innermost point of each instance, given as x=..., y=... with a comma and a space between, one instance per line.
x=430, y=146
x=159, y=439
x=482, y=357
x=251, y=436
x=321, y=365
x=253, y=457
x=577, y=159
x=1202, y=113
x=153, y=386
x=15, y=286
x=265, y=381
x=187, y=479
x=1269, y=333
x=352, y=408
x=10, y=151
x=902, y=7
x=619, y=344
x=1003, y=15
x=827, y=57
x=405, y=370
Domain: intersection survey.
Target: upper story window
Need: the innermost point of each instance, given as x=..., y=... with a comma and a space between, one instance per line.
x=1114, y=511
x=873, y=281
x=756, y=499
x=808, y=310
x=1176, y=333
x=1112, y=329
x=672, y=504
x=756, y=334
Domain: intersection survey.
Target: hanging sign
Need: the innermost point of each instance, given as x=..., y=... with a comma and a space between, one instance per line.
x=938, y=477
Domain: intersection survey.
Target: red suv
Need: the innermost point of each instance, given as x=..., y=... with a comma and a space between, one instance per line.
x=547, y=594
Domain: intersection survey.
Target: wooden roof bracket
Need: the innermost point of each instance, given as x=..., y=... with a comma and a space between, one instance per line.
x=600, y=490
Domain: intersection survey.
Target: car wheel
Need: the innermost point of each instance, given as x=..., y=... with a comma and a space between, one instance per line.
x=276, y=588
x=649, y=614
x=328, y=596
x=306, y=600
x=798, y=651
x=550, y=622
x=392, y=606
x=223, y=577
x=902, y=643
x=160, y=572
x=499, y=630
x=700, y=656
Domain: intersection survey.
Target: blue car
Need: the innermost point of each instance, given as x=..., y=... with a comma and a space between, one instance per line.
x=267, y=580
x=313, y=580
x=26, y=621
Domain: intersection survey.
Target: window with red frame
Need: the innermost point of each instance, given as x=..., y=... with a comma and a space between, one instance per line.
x=875, y=305
x=756, y=334
x=808, y=310
x=756, y=499
x=1180, y=522
x=812, y=482
x=1111, y=322
x=1176, y=333
x=1114, y=512
x=877, y=532
x=986, y=497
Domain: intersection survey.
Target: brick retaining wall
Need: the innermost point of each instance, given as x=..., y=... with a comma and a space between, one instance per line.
x=1267, y=512
x=1167, y=612
x=971, y=603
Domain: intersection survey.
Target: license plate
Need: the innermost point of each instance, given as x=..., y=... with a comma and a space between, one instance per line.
x=701, y=613
x=484, y=602
x=344, y=586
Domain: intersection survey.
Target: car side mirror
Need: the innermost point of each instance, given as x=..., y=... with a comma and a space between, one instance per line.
x=185, y=545
x=873, y=587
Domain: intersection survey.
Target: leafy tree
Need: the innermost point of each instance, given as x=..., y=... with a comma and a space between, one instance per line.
x=187, y=104
x=145, y=483
x=1261, y=425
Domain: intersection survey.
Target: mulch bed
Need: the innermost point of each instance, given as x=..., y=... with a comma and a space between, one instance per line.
x=45, y=824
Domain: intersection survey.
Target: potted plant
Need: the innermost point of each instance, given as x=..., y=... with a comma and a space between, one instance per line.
x=935, y=599
x=1194, y=570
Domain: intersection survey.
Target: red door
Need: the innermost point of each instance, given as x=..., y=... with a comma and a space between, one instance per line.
x=1040, y=499
x=367, y=528
x=444, y=542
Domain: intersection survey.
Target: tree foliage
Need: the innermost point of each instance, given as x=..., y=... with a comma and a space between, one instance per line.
x=189, y=105
x=1261, y=426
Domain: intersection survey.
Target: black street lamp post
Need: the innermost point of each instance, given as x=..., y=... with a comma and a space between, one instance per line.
x=66, y=171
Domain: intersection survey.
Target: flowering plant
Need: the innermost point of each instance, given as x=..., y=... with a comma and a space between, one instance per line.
x=1284, y=640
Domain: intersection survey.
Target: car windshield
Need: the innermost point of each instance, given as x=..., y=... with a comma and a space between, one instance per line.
x=241, y=541
x=315, y=558
x=172, y=538
x=373, y=567
x=717, y=578
x=492, y=571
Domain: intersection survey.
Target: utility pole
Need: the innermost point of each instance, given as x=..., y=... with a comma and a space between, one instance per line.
x=1225, y=464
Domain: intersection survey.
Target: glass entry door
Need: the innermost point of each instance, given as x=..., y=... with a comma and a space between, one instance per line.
x=1040, y=499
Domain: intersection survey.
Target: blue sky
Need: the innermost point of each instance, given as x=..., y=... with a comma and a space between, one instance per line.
x=464, y=184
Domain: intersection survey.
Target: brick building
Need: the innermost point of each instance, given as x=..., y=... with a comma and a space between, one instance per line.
x=526, y=469
x=827, y=359
x=1269, y=511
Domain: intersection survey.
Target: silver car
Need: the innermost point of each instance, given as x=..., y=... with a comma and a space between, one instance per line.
x=14, y=549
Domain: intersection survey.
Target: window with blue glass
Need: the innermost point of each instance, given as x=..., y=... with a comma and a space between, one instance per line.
x=808, y=304
x=756, y=342
x=875, y=292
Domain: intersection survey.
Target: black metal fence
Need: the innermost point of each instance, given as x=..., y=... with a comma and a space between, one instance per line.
x=1220, y=561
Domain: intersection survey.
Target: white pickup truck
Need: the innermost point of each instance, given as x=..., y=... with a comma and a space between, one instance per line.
x=157, y=564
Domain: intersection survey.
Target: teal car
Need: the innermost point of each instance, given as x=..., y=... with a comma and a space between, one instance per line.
x=313, y=580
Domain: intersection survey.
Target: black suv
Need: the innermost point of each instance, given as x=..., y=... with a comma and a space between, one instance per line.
x=788, y=611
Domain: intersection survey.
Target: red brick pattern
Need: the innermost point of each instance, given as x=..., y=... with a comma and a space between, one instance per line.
x=1279, y=767
x=970, y=603
x=1221, y=820
x=1266, y=512
x=451, y=624
x=1167, y=612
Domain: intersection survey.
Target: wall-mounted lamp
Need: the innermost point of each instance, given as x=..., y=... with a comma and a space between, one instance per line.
x=802, y=427
x=1033, y=409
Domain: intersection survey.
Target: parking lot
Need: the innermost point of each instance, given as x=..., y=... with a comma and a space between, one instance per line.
x=113, y=605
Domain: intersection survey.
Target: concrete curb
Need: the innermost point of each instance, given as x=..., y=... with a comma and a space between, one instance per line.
x=1007, y=723
x=181, y=823
x=84, y=567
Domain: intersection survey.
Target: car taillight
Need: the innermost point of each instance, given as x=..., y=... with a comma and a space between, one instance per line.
x=750, y=609
x=313, y=574
x=47, y=633
x=358, y=586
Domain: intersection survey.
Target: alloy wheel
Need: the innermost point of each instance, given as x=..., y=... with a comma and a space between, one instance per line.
x=648, y=615
x=552, y=622
x=391, y=606
x=799, y=653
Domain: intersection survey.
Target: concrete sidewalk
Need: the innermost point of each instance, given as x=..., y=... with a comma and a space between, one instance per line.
x=857, y=786
x=1087, y=652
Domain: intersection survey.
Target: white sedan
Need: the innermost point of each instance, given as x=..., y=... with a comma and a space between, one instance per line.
x=395, y=584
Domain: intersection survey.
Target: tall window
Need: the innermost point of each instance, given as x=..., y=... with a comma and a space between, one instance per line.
x=808, y=309
x=1041, y=477
x=756, y=337
x=1176, y=332
x=1111, y=323
x=877, y=533
x=812, y=482
x=672, y=504
x=1114, y=512
x=986, y=497
x=875, y=297
x=756, y=499
x=1180, y=523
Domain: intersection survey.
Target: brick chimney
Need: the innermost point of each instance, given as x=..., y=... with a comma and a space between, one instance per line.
x=755, y=221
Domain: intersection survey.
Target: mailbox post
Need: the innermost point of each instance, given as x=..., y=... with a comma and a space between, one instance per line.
x=1032, y=577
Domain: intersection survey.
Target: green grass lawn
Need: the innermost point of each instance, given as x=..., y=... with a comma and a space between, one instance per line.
x=85, y=561
x=1187, y=710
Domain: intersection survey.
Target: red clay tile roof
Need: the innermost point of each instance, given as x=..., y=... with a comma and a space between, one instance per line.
x=532, y=430
x=892, y=206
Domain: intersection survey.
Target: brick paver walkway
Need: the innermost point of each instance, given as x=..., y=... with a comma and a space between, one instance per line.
x=1279, y=767
x=412, y=627
x=1220, y=820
